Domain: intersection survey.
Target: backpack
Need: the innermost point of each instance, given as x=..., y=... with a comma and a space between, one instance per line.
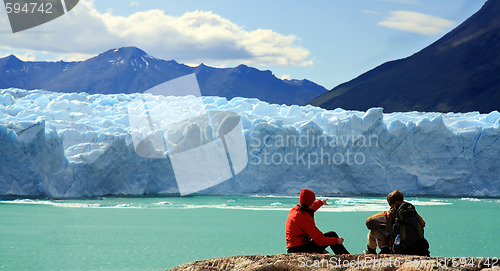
x=406, y=223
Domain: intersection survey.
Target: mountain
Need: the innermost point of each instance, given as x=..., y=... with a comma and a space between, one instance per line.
x=130, y=70
x=459, y=73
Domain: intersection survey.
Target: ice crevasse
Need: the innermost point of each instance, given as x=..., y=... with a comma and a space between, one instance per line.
x=75, y=144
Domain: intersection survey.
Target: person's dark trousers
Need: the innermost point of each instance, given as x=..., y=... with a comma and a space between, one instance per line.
x=311, y=247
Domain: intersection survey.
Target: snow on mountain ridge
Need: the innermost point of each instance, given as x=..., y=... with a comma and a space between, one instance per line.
x=76, y=144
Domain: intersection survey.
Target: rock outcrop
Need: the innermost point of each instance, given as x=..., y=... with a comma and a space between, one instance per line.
x=296, y=262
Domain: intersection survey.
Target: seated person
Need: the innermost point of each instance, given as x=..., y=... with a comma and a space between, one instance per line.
x=382, y=229
x=302, y=235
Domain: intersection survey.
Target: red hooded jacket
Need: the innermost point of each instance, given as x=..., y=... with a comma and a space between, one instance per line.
x=300, y=228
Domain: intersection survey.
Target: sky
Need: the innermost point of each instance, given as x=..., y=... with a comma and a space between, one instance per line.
x=326, y=41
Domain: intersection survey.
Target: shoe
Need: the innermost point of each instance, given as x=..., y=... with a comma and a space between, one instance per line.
x=386, y=250
x=369, y=250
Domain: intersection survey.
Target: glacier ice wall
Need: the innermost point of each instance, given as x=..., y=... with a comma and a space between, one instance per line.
x=76, y=144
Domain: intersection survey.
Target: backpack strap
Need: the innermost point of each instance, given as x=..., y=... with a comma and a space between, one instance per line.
x=395, y=219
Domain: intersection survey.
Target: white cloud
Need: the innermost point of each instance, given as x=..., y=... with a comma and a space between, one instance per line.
x=23, y=56
x=194, y=37
x=369, y=11
x=415, y=22
x=134, y=3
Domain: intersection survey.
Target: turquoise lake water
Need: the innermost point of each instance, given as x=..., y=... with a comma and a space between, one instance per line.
x=160, y=233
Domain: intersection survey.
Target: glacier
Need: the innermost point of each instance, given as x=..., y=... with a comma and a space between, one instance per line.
x=64, y=145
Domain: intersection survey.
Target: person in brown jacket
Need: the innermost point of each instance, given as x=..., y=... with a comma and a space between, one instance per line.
x=381, y=226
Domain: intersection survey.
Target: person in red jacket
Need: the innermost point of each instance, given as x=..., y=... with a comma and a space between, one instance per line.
x=302, y=235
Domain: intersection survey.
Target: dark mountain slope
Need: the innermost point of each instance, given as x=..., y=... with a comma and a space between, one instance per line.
x=460, y=73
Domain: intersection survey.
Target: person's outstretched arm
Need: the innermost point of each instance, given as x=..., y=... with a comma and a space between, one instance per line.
x=317, y=204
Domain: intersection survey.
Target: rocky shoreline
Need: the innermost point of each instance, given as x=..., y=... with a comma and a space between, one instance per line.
x=303, y=261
